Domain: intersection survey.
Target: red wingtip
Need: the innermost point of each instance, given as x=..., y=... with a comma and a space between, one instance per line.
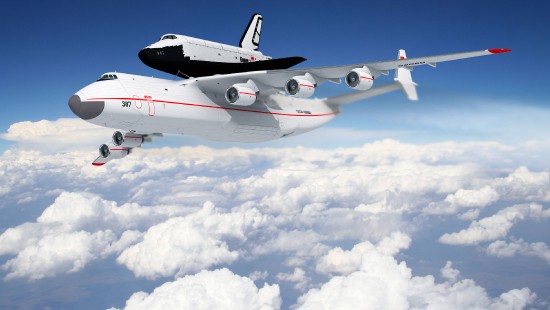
x=98, y=164
x=499, y=50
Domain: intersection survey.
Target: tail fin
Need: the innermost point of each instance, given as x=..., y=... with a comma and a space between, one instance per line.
x=404, y=78
x=251, y=36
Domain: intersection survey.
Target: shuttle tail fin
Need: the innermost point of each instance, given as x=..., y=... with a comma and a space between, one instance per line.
x=251, y=36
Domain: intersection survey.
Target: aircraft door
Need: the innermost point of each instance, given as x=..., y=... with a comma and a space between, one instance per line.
x=137, y=103
x=144, y=105
x=151, y=105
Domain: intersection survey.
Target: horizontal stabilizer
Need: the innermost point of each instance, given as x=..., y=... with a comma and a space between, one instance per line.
x=361, y=95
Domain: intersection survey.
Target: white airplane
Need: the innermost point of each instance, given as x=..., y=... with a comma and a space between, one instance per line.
x=191, y=57
x=243, y=107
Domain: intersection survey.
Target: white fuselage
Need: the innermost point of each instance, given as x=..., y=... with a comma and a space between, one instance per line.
x=151, y=105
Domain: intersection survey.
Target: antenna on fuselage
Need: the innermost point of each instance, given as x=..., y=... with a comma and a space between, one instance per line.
x=184, y=75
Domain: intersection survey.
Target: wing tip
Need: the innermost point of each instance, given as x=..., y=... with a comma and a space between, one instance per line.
x=499, y=50
x=98, y=164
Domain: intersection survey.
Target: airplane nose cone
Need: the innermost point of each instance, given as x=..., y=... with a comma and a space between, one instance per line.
x=86, y=109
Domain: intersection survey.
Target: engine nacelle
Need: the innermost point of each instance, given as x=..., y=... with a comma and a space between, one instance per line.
x=241, y=94
x=127, y=140
x=300, y=86
x=360, y=79
x=112, y=152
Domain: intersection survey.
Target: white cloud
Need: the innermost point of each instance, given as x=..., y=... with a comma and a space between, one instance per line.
x=298, y=276
x=495, y=226
x=218, y=289
x=65, y=134
x=183, y=245
x=57, y=253
x=502, y=248
x=258, y=275
x=521, y=184
x=469, y=215
x=383, y=283
x=303, y=245
x=524, y=184
x=449, y=273
x=345, y=262
x=473, y=198
x=76, y=229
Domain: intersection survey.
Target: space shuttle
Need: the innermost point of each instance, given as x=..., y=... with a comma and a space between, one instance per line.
x=187, y=57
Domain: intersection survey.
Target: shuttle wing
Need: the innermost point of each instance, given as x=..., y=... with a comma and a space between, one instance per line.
x=275, y=79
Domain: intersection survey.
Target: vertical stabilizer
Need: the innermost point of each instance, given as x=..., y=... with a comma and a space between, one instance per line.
x=404, y=78
x=251, y=36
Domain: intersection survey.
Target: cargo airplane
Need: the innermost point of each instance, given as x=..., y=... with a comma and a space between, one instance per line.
x=251, y=106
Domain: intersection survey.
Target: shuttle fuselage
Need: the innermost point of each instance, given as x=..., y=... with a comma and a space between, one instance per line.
x=191, y=57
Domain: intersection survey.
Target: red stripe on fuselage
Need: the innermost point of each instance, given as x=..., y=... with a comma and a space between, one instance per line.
x=216, y=107
x=245, y=93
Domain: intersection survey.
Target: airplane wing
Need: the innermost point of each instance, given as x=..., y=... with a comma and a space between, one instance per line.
x=272, y=80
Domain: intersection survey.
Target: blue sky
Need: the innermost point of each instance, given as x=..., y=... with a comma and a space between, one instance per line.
x=389, y=182
x=52, y=50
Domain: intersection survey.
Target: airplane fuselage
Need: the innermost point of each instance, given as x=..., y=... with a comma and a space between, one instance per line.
x=191, y=57
x=244, y=107
x=145, y=104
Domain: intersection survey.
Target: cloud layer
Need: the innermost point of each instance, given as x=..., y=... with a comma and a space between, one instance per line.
x=324, y=224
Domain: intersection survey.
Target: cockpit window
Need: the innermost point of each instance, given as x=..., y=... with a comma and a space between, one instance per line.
x=108, y=76
x=168, y=37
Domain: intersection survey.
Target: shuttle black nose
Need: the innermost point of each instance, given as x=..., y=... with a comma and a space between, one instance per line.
x=86, y=109
x=144, y=55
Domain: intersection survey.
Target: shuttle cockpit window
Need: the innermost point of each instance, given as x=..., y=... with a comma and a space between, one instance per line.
x=168, y=37
x=108, y=76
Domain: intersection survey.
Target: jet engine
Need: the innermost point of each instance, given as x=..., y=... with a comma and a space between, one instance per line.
x=242, y=94
x=301, y=86
x=112, y=152
x=360, y=79
x=127, y=140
